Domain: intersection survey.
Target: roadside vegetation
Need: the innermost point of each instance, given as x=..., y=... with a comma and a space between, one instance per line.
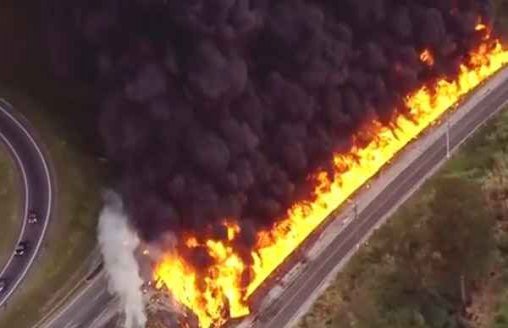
x=60, y=115
x=442, y=260
x=10, y=205
x=70, y=238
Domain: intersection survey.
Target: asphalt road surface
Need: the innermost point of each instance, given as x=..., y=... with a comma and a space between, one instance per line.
x=298, y=293
x=85, y=308
x=32, y=163
x=93, y=301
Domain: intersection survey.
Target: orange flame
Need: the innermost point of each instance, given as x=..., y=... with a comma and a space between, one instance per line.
x=480, y=27
x=218, y=293
x=427, y=58
x=221, y=283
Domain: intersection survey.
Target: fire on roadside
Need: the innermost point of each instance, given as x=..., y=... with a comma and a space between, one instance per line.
x=221, y=291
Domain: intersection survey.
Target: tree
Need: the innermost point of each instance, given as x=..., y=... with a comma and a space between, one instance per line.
x=460, y=233
x=495, y=185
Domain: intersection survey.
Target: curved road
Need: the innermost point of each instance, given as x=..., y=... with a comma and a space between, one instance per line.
x=16, y=134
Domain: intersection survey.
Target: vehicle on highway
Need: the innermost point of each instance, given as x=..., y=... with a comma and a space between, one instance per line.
x=144, y=288
x=21, y=248
x=32, y=217
x=95, y=272
x=3, y=285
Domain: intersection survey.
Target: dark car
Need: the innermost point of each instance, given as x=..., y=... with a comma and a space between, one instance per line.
x=95, y=272
x=21, y=248
x=3, y=285
x=32, y=217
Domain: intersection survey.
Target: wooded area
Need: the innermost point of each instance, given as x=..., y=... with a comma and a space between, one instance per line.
x=442, y=260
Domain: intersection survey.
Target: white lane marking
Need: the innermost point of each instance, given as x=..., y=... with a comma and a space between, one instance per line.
x=71, y=325
x=25, y=185
x=364, y=222
x=50, y=197
x=83, y=291
x=106, y=315
x=68, y=296
x=67, y=306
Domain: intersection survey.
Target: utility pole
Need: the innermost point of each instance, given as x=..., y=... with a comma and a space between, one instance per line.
x=463, y=288
x=447, y=137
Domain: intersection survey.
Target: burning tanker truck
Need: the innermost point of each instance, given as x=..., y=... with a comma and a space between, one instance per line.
x=236, y=126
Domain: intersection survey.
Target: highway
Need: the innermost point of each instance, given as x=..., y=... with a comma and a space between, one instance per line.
x=31, y=161
x=286, y=312
x=87, y=306
x=94, y=302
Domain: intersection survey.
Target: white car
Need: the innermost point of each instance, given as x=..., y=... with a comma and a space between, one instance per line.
x=32, y=217
x=21, y=248
x=3, y=285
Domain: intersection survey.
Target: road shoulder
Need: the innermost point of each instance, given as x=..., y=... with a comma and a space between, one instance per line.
x=10, y=204
x=71, y=233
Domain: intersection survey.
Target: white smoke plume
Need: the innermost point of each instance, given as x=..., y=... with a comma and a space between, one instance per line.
x=118, y=243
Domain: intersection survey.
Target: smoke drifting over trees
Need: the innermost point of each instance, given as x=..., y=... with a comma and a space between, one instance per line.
x=221, y=109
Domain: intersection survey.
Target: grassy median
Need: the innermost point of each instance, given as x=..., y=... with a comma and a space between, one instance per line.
x=62, y=116
x=71, y=233
x=10, y=205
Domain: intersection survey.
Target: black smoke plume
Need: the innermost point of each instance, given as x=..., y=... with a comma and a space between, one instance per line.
x=214, y=109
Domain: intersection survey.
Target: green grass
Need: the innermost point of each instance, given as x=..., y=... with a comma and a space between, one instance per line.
x=71, y=233
x=500, y=319
x=477, y=155
x=473, y=161
x=62, y=114
x=10, y=205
